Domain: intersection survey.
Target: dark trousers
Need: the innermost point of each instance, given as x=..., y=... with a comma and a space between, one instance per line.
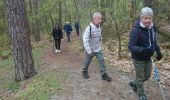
x=143, y=71
x=57, y=43
x=77, y=31
x=68, y=36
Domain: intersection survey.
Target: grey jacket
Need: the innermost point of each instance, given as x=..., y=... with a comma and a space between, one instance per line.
x=93, y=42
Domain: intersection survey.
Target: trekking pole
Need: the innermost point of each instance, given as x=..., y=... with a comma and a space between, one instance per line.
x=53, y=44
x=156, y=74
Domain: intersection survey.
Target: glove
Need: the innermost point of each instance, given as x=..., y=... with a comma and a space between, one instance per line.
x=159, y=56
x=148, y=51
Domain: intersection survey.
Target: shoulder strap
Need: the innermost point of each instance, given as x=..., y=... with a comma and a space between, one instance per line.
x=139, y=33
x=90, y=31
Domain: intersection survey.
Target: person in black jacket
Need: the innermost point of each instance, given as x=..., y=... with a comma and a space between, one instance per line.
x=143, y=44
x=77, y=27
x=58, y=35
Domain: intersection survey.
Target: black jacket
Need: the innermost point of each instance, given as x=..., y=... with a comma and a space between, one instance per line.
x=57, y=33
x=141, y=38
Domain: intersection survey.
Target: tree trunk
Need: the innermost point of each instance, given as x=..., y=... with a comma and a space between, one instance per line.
x=30, y=6
x=77, y=15
x=60, y=14
x=168, y=11
x=68, y=16
x=117, y=31
x=36, y=28
x=119, y=39
x=52, y=21
x=148, y=3
x=133, y=6
x=103, y=11
x=19, y=33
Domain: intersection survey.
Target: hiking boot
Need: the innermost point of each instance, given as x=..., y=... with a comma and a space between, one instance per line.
x=106, y=77
x=133, y=86
x=142, y=97
x=85, y=74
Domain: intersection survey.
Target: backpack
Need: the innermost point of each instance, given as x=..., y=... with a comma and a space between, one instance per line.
x=90, y=32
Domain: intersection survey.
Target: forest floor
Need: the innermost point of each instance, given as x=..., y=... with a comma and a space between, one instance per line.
x=70, y=60
x=65, y=68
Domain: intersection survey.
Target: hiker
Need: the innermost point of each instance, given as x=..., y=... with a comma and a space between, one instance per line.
x=57, y=35
x=92, y=40
x=68, y=30
x=77, y=27
x=143, y=44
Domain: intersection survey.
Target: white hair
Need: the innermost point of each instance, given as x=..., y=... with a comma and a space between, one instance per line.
x=146, y=11
x=96, y=14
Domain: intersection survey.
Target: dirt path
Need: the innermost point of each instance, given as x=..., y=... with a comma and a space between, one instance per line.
x=75, y=87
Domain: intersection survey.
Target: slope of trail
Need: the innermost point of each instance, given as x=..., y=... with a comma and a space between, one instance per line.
x=70, y=62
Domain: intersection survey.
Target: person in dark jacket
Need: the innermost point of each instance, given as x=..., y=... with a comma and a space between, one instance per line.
x=77, y=27
x=58, y=35
x=143, y=44
x=68, y=29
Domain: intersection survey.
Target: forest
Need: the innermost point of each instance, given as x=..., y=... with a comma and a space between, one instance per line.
x=31, y=70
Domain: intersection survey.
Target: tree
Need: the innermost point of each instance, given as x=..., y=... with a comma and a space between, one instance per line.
x=148, y=3
x=60, y=14
x=19, y=32
x=168, y=10
x=35, y=21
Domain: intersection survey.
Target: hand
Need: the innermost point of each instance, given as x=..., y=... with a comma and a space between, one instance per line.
x=91, y=54
x=159, y=56
x=148, y=50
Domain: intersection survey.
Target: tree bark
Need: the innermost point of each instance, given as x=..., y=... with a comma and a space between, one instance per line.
x=148, y=3
x=60, y=14
x=168, y=11
x=19, y=33
x=103, y=11
x=117, y=31
x=36, y=23
x=68, y=16
x=30, y=6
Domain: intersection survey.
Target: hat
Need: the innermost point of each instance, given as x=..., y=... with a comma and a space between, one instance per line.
x=146, y=11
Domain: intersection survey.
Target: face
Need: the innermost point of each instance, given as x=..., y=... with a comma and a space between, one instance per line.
x=146, y=20
x=97, y=21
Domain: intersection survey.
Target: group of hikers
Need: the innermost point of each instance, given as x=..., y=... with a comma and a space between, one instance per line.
x=142, y=45
x=58, y=34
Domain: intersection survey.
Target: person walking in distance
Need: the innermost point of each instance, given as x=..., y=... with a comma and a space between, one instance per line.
x=58, y=35
x=68, y=29
x=77, y=27
x=92, y=41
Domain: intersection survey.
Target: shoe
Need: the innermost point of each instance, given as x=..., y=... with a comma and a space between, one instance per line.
x=142, y=97
x=133, y=86
x=106, y=77
x=85, y=74
x=56, y=50
x=59, y=51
